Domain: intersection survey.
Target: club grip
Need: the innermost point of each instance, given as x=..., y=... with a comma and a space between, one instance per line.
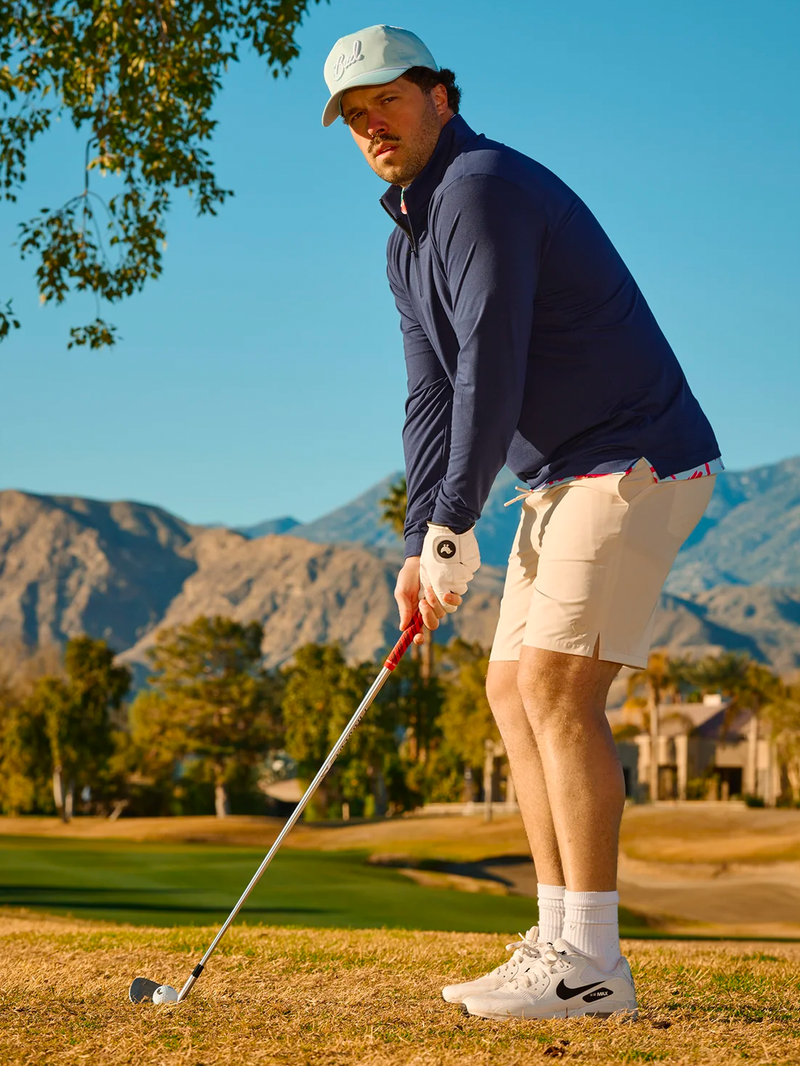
x=403, y=644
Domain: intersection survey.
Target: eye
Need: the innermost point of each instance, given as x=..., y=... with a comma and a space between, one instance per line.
x=354, y=117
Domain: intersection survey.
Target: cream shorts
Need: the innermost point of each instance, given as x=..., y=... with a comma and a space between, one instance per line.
x=589, y=561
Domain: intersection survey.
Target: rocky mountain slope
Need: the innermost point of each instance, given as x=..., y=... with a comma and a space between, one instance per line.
x=70, y=565
x=121, y=570
x=750, y=533
x=358, y=521
x=304, y=592
x=284, y=524
x=759, y=620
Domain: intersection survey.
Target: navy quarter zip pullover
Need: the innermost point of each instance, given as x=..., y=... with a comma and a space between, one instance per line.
x=526, y=339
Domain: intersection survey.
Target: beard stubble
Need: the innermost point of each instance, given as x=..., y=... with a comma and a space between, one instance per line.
x=416, y=152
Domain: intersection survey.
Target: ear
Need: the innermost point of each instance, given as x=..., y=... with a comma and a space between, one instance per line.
x=439, y=93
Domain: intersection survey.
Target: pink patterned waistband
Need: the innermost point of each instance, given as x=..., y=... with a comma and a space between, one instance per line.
x=714, y=466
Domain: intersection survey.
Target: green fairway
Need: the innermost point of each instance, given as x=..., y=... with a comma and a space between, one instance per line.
x=168, y=884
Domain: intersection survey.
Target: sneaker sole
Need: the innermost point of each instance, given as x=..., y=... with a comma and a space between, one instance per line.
x=622, y=1014
x=457, y=1002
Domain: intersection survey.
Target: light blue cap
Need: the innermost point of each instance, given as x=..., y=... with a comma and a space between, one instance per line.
x=373, y=56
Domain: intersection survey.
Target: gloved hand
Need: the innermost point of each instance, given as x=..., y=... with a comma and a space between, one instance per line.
x=449, y=561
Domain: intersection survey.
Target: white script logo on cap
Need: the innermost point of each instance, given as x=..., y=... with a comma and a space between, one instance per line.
x=343, y=62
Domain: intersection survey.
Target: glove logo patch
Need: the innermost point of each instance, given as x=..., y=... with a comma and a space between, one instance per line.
x=445, y=549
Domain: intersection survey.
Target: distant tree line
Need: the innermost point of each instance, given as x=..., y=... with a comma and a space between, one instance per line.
x=211, y=724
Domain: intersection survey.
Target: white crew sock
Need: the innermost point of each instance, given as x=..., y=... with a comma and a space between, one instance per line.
x=591, y=924
x=551, y=911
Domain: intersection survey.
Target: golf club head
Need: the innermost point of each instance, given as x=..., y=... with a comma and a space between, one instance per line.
x=141, y=991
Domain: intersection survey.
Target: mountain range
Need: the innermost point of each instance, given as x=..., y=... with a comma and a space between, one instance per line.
x=121, y=570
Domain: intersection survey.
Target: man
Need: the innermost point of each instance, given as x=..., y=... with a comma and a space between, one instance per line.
x=528, y=343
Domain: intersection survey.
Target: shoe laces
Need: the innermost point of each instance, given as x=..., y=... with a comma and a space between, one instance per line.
x=548, y=961
x=524, y=948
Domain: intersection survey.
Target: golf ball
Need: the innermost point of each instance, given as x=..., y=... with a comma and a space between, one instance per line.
x=165, y=994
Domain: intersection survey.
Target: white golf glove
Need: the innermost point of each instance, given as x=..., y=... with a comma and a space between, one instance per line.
x=448, y=562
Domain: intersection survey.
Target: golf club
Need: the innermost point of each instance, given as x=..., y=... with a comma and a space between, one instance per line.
x=142, y=989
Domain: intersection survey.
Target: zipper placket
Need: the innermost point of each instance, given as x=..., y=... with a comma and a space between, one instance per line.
x=405, y=228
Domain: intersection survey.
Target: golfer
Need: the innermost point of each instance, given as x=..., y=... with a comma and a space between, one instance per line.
x=528, y=343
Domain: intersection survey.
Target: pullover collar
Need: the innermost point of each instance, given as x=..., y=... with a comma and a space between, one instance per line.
x=416, y=197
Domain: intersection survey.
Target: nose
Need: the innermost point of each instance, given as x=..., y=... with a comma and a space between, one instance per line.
x=376, y=124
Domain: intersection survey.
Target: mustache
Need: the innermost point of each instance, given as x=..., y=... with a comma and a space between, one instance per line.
x=378, y=143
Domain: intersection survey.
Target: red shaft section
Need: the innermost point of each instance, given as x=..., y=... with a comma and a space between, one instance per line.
x=404, y=643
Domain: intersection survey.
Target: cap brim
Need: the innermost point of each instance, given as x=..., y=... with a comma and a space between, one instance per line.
x=376, y=77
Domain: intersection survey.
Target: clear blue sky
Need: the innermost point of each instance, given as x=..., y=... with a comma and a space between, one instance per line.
x=263, y=374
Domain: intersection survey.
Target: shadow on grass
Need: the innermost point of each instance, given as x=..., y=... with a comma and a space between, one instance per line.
x=68, y=890
x=118, y=908
x=50, y=897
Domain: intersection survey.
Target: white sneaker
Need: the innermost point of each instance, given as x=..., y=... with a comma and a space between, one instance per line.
x=561, y=983
x=525, y=949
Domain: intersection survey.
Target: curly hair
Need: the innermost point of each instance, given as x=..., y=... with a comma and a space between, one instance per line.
x=427, y=79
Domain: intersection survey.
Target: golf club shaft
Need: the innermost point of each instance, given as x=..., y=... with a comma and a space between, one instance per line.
x=394, y=658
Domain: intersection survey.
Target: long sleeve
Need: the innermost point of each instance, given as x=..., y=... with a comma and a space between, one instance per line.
x=426, y=432
x=488, y=240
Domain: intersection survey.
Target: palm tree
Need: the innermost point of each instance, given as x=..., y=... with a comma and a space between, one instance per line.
x=762, y=687
x=748, y=685
x=393, y=513
x=393, y=506
x=783, y=715
x=660, y=678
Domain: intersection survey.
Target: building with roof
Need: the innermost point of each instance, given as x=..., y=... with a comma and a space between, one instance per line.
x=706, y=750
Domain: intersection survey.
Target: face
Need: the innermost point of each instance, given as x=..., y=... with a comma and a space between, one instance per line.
x=396, y=126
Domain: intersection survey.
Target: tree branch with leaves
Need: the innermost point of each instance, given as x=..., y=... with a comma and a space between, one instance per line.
x=138, y=80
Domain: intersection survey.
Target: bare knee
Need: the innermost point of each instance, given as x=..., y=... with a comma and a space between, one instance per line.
x=501, y=684
x=504, y=698
x=562, y=691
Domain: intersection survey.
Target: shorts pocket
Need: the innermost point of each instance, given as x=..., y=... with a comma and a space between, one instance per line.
x=636, y=481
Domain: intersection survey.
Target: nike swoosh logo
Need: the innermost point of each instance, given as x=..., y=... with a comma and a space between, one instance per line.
x=565, y=992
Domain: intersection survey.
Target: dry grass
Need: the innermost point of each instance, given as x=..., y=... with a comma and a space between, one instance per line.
x=706, y=833
x=370, y=997
x=453, y=837
x=698, y=833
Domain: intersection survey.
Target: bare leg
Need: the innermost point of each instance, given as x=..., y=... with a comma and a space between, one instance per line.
x=526, y=769
x=565, y=697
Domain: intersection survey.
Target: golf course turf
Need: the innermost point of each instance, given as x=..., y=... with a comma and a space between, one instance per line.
x=339, y=997
x=325, y=966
